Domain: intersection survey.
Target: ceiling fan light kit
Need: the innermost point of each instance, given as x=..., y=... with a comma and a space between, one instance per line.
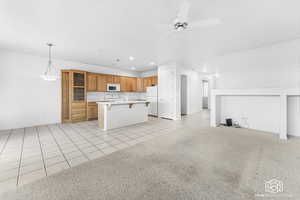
x=51, y=73
x=182, y=22
x=180, y=26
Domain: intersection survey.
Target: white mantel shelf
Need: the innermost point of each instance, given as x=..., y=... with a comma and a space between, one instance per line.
x=282, y=93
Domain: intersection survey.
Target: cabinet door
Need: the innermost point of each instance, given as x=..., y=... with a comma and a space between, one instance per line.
x=109, y=79
x=147, y=83
x=123, y=84
x=78, y=111
x=133, y=86
x=139, y=85
x=101, y=83
x=78, y=79
x=117, y=80
x=91, y=82
x=65, y=80
x=154, y=80
x=128, y=84
x=92, y=110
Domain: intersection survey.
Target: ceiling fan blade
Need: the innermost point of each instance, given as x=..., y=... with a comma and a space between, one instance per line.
x=206, y=23
x=164, y=27
x=182, y=15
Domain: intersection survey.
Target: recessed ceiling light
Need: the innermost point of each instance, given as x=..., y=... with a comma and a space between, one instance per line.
x=152, y=63
x=131, y=58
x=133, y=68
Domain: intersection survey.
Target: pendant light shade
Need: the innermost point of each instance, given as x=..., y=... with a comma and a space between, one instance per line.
x=51, y=73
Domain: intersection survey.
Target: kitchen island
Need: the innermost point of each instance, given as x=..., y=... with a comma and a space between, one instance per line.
x=117, y=114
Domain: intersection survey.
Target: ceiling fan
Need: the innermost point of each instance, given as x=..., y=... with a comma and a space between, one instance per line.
x=181, y=22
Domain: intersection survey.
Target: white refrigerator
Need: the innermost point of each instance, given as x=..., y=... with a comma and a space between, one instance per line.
x=152, y=97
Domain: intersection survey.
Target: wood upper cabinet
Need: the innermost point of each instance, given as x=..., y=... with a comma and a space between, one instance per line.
x=98, y=82
x=122, y=83
x=109, y=79
x=101, y=83
x=139, y=85
x=117, y=79
x=154, y=80
x=113, y=79
x=133, y=84
x=128, y=84
x=147, y=82
x=91, y=82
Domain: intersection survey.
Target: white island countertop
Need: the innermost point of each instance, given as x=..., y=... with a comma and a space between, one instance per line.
x=120, y=102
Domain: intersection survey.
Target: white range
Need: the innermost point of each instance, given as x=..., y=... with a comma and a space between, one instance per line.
x=115, y=114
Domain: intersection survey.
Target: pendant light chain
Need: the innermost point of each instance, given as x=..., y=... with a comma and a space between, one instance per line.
x=50, y=59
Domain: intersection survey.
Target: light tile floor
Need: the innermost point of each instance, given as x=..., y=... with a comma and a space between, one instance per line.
x=29, y=154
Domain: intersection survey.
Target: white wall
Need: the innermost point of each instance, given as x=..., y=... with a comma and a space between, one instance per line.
x=195, y=90
x=184, y=96
x=294, y=116
x=255, y=112
x=168, y=91
x=149, y=73
x=26, y=99
x=275, y=66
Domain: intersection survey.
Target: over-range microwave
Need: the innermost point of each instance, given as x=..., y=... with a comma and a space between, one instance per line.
x=113, y=87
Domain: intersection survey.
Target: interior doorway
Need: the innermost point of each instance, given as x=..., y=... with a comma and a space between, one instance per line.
x=183, y=95
x=205, y=94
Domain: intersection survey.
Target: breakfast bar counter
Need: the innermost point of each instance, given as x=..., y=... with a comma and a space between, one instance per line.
x=115, y=114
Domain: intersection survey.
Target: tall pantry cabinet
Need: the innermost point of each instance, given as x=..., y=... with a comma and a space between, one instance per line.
x=74, y=86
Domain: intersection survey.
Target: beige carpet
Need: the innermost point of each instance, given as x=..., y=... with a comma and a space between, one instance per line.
x=194, y=162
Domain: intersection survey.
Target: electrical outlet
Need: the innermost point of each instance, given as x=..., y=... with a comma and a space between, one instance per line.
x=245, y=122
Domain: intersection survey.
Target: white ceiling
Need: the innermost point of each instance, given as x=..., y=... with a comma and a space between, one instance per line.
x=99, y=31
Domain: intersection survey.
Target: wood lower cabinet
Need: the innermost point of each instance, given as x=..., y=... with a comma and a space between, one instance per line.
x=73, y=95
x=78, y=111
x=92, y=111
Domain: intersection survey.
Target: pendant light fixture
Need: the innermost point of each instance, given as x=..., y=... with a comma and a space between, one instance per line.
x=51, y=73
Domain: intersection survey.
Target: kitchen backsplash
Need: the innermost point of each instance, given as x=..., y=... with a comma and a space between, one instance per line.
x=100, y=96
